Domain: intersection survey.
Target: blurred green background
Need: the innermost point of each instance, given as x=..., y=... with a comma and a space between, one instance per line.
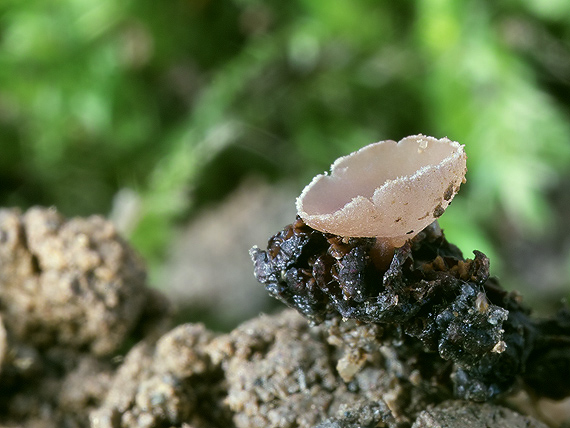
x=153, y=111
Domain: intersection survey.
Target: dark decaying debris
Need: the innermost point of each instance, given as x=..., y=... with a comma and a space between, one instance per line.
x=429, y=292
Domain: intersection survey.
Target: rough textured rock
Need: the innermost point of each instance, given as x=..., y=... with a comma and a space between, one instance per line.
x=273, y=371
x=167, y=385
x=277, y=371
x=473, y=415
x=281, y=373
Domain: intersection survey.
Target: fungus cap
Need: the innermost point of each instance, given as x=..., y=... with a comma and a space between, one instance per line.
x=387, y=189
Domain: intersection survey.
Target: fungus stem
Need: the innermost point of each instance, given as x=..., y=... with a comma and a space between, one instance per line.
x=383, y=251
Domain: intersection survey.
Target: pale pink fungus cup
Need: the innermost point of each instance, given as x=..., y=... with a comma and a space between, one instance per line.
x=387, y=190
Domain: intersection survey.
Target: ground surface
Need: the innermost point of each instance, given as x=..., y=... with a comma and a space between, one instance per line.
x=84, y=342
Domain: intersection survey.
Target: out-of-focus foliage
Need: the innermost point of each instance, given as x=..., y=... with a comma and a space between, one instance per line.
x=178, y=100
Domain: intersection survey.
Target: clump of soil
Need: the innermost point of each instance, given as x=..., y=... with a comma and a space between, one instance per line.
x=455, y=414
x=72, y=283
x=84, y=342
x=72, y=295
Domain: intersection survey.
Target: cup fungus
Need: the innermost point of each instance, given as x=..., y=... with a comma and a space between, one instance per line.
x=379, y=205
x=387, y=190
